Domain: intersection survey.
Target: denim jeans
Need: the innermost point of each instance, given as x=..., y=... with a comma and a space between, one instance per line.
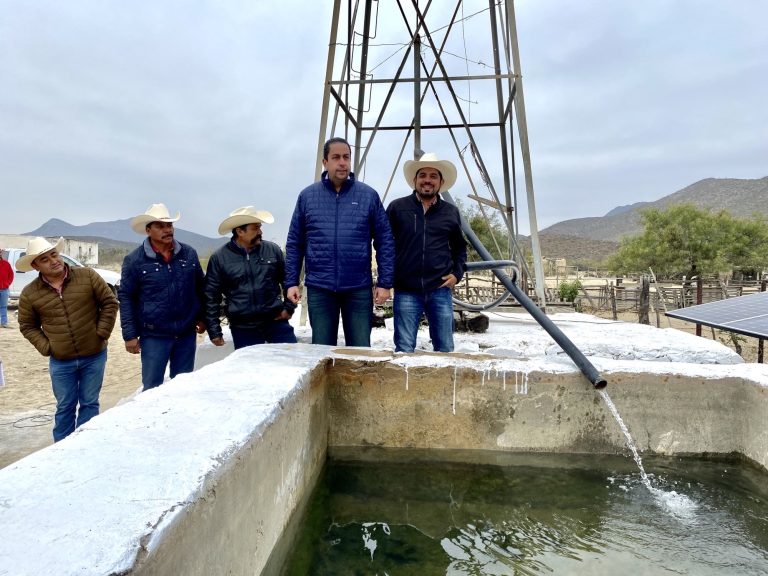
x=4, y=294
x=74, y=382
x=408, y=308
x=356, y=308
x=157, y=351
x=274, y=332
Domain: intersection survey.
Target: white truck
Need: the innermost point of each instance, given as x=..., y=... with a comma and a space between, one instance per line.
x=21, y=279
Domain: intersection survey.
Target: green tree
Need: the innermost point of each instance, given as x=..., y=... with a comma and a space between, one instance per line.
x=685, y=240
x=490, y=232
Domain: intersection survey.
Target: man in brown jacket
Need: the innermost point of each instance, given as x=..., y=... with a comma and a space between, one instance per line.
x=68, y=315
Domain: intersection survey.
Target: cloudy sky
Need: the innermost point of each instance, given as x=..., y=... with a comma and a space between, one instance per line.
x=109, y=106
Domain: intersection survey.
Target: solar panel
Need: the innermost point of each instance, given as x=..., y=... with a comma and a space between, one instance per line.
x=746, y=315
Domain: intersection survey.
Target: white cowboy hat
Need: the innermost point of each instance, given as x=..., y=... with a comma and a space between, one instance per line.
x=430, y=160
x=243, y=216
x=155, y=213
x=36, y=247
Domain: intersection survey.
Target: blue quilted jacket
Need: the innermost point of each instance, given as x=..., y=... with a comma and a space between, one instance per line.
x=331, y=232
x=159, y=299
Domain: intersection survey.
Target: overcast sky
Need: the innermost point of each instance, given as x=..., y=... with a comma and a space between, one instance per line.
x=109, y=106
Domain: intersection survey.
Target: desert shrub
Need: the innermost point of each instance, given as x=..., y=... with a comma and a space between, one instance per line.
x=569, y=290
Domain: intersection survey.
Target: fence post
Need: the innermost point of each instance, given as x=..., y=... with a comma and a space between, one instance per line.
x=613, y=302
x=761, y=341
x=699, y=298
x=645, y=293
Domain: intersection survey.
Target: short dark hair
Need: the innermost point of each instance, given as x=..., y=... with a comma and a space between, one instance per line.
x=334, y=140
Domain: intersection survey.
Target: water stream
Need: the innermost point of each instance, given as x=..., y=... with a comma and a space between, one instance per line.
x=677, y=504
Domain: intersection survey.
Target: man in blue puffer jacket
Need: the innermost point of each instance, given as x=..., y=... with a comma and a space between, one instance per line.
x=331, y=231
x=161, y=298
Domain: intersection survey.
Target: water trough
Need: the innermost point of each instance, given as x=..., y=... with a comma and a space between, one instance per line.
x=202, y=475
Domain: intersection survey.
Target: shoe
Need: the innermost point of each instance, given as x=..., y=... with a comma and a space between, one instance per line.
x=4, y=326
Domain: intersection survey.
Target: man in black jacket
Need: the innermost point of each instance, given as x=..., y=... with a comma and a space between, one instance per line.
x=249, y=274
x=430, y=254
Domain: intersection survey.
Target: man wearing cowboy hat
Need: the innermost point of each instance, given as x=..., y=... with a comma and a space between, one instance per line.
x=331, y=230
x=68, y=315
x=430, y=254
x=249, y=273
x=161, y=298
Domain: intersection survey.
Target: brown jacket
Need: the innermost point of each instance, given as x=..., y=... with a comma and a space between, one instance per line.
x=71, y=325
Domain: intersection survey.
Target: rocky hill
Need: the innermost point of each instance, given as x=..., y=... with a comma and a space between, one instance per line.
x=741, y=198
x=118, y=234
x=576, y=250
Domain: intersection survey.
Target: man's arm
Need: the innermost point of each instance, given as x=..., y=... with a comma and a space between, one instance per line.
x=128, y=294
x=384, y=243
x=458, y=249
x=199, y=292
x=213, y=296
x=289, y=306
x=295, y=248
x=30, y=325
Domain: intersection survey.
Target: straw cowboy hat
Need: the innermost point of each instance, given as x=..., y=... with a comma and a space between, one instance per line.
x=155, y=213
x=243, y=216
x=36, y=247
x=430, y=160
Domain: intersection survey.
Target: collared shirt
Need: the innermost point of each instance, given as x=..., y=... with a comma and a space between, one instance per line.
x=61, y=287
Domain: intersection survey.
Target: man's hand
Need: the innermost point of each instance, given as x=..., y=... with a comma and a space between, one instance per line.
x=133, y=346
x=218, y=341
x=284, y=315
x=450, y=281
x=381, y=295
x=294, y=294
x=200, y=327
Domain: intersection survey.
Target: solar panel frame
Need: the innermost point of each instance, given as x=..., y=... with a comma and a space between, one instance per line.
x=747, y=315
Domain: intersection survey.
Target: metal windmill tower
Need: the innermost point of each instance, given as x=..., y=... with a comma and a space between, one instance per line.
x=443, y=79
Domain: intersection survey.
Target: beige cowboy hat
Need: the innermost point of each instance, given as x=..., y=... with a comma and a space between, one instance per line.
x=430, y=160
x=155, y=213
x=243, y=216
x=36, y=247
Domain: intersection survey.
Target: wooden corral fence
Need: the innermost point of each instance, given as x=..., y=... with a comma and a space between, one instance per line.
x=479, y=288
x=483, y=287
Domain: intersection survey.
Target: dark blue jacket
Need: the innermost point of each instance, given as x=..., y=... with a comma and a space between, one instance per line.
x=331, y=232
x=428, y=246
x=159, y=298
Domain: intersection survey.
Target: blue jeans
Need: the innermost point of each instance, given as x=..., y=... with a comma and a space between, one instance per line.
x=273, y=331
x=356, y=308
x=408, y=308
x=157, y=351
x=4, y=306
x=74, y=382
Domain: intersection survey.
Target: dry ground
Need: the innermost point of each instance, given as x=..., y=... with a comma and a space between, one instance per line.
x=27, y=404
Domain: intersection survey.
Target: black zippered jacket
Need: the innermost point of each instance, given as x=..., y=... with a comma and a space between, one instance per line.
x=251, y=284
x=427, y=246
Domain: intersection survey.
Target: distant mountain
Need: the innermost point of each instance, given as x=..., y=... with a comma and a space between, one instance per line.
x=575, y=249
x=621, y=209
x=118, y=234
x=741, y=198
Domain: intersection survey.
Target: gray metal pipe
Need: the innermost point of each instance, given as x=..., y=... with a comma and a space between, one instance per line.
x=562, y=340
